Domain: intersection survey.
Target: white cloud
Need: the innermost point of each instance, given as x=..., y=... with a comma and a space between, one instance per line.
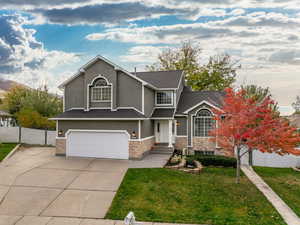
x=142, y=54
x=237, y=12
x=23, y=58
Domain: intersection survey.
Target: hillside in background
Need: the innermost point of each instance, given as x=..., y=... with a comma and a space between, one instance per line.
x=5, y=85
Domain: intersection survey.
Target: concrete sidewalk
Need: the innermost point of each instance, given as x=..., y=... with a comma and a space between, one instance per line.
x=284, y=210
x=39, y=220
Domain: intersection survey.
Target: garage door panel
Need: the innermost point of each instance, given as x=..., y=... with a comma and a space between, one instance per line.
x=98, y=144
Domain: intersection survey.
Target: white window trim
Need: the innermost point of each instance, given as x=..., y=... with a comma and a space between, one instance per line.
x=100, y=87
x=193, y=122
x=88, y=92
x=172, y=99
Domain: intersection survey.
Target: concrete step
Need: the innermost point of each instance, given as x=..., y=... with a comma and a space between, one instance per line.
x=163, y=152
x=162, y=148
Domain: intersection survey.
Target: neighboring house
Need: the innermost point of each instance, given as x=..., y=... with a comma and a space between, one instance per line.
x=294, y=120
x=112, y=113
x=7, y=120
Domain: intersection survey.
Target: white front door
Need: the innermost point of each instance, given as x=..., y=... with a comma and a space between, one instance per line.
x=162, y=131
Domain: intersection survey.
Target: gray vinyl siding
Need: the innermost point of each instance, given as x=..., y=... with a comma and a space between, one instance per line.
x=205, y=106
x=129, y=92
x=190, y=132
x=147, y=128
x=179, y=90
x=126, y=91
x=106, y=70
x=74, y=93
x=129, y=126
x=181, y=126
x=149, y=101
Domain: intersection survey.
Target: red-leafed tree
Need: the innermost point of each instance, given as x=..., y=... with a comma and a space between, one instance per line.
x=246, y=121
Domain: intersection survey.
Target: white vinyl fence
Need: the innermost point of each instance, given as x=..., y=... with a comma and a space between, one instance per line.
x=27, y=135
x=271, y=160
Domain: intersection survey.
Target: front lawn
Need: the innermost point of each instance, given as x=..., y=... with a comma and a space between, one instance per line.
x=5, y=149
x=164, y=195
x=285, y=182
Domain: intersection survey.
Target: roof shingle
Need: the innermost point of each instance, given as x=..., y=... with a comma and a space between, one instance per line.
x=163, y=113
x=189, y=99
x=161, y=79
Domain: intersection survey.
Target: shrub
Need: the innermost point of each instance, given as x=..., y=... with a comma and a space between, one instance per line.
x=215, y=160
x=32, y=119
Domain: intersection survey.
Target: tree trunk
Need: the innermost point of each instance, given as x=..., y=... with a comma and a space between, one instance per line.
x=238, y=164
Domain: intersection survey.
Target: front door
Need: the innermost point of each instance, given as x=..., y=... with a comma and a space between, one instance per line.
x=162, y=131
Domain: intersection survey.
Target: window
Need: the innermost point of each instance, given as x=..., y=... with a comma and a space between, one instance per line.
x=101, y=91
x=164, y=98
x=203, y=123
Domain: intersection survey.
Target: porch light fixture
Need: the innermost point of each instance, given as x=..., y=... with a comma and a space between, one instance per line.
x=60, y=132
x=177, y=123
x=133, y=134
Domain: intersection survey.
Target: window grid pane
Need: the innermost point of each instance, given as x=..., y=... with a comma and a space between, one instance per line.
x=101, y=93
x=164, y=98
x=203, y=125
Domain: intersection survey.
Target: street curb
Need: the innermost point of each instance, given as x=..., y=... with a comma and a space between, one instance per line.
x=11, y=153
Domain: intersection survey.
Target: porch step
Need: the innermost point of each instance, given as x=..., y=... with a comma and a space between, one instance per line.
x=162, y=149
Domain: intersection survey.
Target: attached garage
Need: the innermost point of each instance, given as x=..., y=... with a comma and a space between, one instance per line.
x=112, y=144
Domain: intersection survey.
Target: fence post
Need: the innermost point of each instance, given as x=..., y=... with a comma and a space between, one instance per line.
x=250, y=158
x=20, y=134
x=46, y=136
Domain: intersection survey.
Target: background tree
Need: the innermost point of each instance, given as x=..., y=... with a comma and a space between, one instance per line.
x=14, y=97
x=253, y=124
x=259, y=94
x=33, y=107
x=217, y=74
x=296, y=105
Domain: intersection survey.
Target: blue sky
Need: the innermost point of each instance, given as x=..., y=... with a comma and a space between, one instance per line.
x=47, y=41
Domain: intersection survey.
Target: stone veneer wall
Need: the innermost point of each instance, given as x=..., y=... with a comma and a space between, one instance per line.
x=60, y=146
x=206, y=144
x=203, y=143
x=181, y=143
x=137, y=149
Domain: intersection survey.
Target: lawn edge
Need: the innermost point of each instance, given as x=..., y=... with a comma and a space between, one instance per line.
x=287, y=214
x=12, y=152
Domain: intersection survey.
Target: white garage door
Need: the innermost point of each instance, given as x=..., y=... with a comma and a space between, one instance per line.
x=98, y=144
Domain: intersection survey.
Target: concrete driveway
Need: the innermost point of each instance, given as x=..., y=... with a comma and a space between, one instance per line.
x=37, y=187
x=36, y=183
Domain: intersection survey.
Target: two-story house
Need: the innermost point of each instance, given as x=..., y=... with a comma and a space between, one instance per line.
x=112, y=113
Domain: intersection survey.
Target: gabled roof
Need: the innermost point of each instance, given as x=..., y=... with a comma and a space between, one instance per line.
x=163, y=113
x=99, y=57
x=162, y=79
x=98, y=114
x=191, y=99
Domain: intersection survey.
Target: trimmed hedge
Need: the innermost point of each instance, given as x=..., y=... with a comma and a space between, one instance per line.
x=215, y=160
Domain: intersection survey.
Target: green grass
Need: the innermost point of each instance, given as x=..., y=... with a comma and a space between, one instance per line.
x=5, y=149
x=285, y=182
x=163, y=195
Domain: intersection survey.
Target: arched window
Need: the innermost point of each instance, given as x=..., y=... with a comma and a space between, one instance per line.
x=101, y=91
x=203, y=123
